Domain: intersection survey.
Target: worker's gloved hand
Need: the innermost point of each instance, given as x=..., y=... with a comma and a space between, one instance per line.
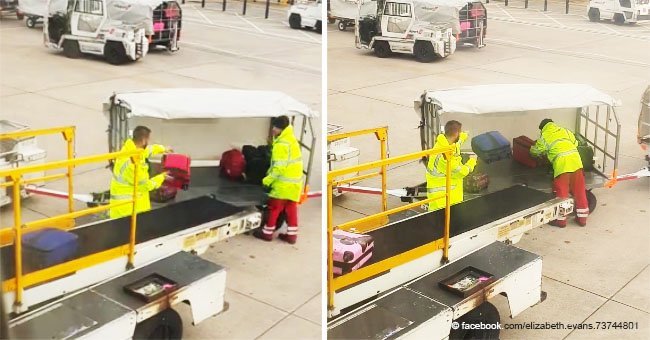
x=471, y=163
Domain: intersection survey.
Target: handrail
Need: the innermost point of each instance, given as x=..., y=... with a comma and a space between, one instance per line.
x=14, y=234
x=68, y=133
x=369, y=271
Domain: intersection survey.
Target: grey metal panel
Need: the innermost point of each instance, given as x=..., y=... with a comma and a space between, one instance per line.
x=389, y=317
x=498, y=259
x=182, y=267
x=70, y=318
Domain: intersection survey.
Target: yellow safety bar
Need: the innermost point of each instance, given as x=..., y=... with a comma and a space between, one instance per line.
x=334, y=284
x=381, y=133
x=14, y=234
x=68, y=133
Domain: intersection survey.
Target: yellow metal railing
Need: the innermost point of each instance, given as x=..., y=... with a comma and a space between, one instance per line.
x=334, y=284
x=14, y=234
x=68, y=133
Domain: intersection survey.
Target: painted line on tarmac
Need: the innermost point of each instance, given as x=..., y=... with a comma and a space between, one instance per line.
x=202, y=15
x=587, y=30
x=249, y=22
x=253, y=32
x=504, y=11
x=553, y=19
x=275, y=62
x=594, y=56
x=308, y=36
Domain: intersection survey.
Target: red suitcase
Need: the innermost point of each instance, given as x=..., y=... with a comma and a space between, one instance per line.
x=521, y=152
x=179, y=169
x=351, y=251
x=232, y=164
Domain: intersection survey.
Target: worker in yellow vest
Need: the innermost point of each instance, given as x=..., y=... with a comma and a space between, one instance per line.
x=560, y=146
x=437, y=166
x=283, y=181
x=124, y=171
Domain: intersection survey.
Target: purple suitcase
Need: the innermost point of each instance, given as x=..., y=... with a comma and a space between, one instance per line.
x=351, y=251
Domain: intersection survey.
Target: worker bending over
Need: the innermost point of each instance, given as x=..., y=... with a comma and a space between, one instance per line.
x=283, y=181
x=124, y=171
x=560, y=146
x=437, y=167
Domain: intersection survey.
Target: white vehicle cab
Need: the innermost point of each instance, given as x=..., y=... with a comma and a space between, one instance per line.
x=619, y=11
x=119, y=30
x=306, y=14
x=419, y=27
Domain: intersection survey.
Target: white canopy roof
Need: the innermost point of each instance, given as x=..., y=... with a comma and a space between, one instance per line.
x=178, y=103
x=500, y=98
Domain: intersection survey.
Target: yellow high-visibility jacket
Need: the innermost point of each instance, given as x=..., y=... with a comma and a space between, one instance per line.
x=285, y=174
x=436, y=169
x=560, y=145
x=122, y=181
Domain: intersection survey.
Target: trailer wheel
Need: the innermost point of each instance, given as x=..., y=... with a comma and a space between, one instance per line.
x=592, y=202
x=423, y=51
x=319, y=26
x=30, y=22
x=594, y=14
x=382, y=49
x=294, y=21
x=114, y=52
x=619, y=19
x=342, y=25
x=166, y=325
x=486, y=314
x=71, y=49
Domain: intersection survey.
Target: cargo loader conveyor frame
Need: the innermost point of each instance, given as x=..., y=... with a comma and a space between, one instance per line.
x=126, y=246
x=424, y=246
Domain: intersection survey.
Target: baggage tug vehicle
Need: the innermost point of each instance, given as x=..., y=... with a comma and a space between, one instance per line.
x=412, y=287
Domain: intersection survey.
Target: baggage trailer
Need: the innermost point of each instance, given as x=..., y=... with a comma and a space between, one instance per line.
x=397, y=295
x=343, y=12
x=85, y=295
x=34, y=11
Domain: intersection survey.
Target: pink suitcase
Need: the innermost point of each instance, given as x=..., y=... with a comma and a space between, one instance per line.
x=465, y=25
x=351, y=251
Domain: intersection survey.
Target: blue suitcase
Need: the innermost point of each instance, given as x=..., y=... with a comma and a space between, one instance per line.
x=491, y=146
x=48, y=247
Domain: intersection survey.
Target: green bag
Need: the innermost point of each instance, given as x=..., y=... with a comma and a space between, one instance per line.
x=586, y=153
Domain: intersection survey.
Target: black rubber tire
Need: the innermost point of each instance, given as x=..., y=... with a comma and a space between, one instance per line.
x=71, y=49
x=486, y=313
x=166, y=325
x=382, y=49
x=295, y=21
x=319, y=27
x=619, y=19
x=342, y=25
x=114, y=53
x=594, y=14
x=30, y=22
x=423, y=51
x=592, y=202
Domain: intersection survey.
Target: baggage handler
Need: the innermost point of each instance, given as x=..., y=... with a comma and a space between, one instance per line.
x=124, y=171
x=560, y=146
x=437, y=166
x=283, y=181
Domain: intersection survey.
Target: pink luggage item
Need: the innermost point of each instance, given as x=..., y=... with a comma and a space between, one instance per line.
x=158, y=26
x=179, y=169
x=351, y=251
x=465, y=25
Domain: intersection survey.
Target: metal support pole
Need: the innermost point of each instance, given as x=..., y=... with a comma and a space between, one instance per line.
x=244, y=10
x=69, y=138
x=506, y=2
x=545, y=5
x=526, y=4
x=202, y=3
x=223, y=7
x=384, y=174
x=266, y=11
x=567, y=7
x=445, y=251
x=330, y=248
x=18, y=242
x=134, y=212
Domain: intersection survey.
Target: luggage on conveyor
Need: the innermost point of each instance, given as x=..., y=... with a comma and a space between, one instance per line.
x=165, y=193
x=475, y=182
x=179, y=169
x=48, y=247
x=232, y=164
x=351, y=251
x=521, y=152
x=491, y=146
x=258, y=161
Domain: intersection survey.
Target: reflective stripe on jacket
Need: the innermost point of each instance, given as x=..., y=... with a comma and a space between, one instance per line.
x=560, y=146
x=436, y=169
x=285, y=174
x=122, y=181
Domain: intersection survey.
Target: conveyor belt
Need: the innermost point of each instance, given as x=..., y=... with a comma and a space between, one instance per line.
x=401, y=236
x=153, y=224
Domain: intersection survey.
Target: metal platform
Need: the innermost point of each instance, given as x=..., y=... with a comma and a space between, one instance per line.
x=107, y=310
x=152, y=224
x=422, y=308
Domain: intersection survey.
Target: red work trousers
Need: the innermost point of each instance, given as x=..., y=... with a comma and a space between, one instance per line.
x=277, y=206
x=574, y=183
